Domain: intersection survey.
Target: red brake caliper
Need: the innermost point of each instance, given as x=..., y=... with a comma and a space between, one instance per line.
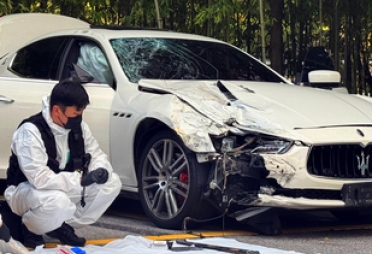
x=184, y=177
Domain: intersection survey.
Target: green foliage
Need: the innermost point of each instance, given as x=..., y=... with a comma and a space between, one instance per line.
x=5, y=7
x=346, y=26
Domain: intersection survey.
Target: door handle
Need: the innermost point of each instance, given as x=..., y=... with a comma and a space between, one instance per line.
x=5, y=99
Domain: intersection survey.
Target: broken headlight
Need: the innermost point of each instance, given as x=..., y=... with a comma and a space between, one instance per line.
x=251, y=144
x=272, y=146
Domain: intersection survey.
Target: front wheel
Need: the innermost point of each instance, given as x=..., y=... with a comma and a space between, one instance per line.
x=171, y=181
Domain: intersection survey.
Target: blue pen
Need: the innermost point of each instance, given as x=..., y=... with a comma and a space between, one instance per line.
x=78, y=250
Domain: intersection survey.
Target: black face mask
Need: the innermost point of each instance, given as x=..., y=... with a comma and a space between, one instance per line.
x=73, y=123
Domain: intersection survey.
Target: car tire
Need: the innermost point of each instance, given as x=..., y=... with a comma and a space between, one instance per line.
x=171, y=182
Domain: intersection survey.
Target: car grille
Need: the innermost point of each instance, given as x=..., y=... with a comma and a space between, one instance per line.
x=341, y=161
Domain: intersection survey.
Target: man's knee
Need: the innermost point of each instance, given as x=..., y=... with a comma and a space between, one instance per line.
x=52, y=212
x=58, y=201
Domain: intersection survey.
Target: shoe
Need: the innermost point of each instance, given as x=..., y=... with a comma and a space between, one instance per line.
x=30, y=239
x=66, y=234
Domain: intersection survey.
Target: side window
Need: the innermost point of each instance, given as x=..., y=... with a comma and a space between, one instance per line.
x=40, y=59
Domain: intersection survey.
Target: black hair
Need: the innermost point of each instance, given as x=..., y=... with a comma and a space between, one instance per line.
x=69, y=92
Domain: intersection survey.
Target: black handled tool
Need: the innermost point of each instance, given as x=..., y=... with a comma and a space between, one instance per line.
x=86, y=160
x=216, y=247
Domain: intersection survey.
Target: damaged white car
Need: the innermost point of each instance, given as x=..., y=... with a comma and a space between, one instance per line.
x=193, y=125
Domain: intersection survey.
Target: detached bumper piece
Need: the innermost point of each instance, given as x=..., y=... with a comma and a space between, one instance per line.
x=357, y=194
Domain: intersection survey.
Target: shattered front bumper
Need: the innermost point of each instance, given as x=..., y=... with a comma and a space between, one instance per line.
x=296, y=203
x=282, y=181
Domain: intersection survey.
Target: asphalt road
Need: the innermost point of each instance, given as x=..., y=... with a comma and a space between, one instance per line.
x=305, y=232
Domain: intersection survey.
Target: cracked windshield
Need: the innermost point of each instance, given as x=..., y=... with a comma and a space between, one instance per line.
x=157, y=58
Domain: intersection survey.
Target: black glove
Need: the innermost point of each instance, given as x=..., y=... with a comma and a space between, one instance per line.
x=4, y=233
x=100, y=176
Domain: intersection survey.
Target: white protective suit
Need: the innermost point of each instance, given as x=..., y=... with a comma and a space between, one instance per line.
x=49, y=199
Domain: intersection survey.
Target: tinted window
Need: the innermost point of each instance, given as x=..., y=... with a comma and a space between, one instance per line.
x=159, y=58
x=40, y=59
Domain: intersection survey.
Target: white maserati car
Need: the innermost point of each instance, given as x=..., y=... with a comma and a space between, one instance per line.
x=192, y=124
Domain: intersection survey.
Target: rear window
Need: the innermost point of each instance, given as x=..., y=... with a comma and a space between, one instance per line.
x=40, y=59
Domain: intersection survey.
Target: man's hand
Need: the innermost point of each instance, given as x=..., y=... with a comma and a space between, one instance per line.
x=100, y=176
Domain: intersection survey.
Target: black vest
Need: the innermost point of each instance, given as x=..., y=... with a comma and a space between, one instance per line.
x=75, y=143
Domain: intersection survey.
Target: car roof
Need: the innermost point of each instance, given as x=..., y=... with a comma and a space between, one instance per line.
x=109, y=34
x=23, y=28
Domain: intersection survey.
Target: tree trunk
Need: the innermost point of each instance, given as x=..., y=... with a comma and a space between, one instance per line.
x=171, y=16
x=248, y=31
x=293, y=49
x=301, y=32
x=209, y=21
x=192, y=16
x=347, y=65
x=336, y=32
x=226, y=27
x=276, y=40
x=357, y=28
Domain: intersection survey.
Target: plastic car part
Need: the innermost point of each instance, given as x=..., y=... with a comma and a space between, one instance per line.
x=171, y=181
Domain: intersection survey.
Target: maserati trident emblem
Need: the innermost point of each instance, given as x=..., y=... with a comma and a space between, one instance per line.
x=363, y=163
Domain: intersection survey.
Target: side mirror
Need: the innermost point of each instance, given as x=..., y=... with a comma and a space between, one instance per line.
x=324, y=79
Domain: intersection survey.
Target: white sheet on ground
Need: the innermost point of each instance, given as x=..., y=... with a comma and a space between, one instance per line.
x=140, y=245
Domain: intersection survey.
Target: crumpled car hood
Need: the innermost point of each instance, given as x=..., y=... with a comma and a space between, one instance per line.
x=271, y=108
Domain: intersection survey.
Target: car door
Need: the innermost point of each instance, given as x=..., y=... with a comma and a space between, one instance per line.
x=19, y=99
x=36, y=67
x=30, y=76
x=85, y=58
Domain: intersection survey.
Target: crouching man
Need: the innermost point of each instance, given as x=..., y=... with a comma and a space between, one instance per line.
x=58, y=177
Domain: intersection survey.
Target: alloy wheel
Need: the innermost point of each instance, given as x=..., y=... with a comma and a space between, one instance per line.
x=165, y=178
